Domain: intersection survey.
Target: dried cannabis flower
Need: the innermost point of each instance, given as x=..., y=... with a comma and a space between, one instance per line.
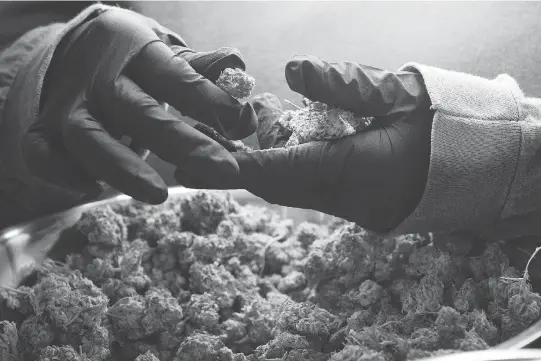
x=148, y=356
x=95, y=343
x=202, y=347
x=9, y=341
x=307, y=320
x=103, y=226
x=319, y=121
x=204, y=211
x=203, y=311
x=285, y=342
x=293, y=281
x=308, y=232
x=484, y=328
x=34, y=335
x=63, y=353
x=466, y=298
x=472, y=342
x=424, y=339
x=449, y=325
x=17, y=299
x=215, y=280
x=358, y=353
x=236, y=83
x=134, y=318
x=63, y=301
x=204, y=278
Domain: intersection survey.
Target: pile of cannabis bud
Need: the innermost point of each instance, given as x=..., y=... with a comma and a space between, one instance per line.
x=203, y=278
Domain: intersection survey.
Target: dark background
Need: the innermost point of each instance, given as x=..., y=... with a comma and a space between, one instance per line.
x=483, y=38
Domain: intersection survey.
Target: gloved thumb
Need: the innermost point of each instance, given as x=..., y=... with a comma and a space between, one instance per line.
x=291, y=177
x=362, y=89
x=270, y=133
x=210, y=64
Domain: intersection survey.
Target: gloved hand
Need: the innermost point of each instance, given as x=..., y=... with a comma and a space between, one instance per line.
x=375, y=178
x=107, y=80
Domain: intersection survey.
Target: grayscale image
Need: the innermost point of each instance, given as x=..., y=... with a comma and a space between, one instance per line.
x=270, y=181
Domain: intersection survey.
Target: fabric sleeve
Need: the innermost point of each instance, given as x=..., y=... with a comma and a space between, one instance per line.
x=23, y=66
x=521, y=215
x=485, y=161
x=30, y=55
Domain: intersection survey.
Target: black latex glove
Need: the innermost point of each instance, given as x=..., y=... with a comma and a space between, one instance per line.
x=375, y=178
x=107, y=80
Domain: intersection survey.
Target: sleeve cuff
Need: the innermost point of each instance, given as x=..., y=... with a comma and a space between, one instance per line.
x=475, y=145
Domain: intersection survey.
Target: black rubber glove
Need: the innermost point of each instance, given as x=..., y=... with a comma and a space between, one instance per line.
x=375, y=178
x=107, y=80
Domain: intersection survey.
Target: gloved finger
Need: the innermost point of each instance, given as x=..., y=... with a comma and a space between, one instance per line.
x=270, y=133
x=294, y=195
x=152, y=127
x=362, y=89
x=211, y=64
x=168, y=78
x=287, y=176
x=106, y=159
x=55, y=166
x=137, y=148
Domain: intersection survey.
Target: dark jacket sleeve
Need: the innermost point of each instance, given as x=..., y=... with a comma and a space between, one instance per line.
x=23, y=67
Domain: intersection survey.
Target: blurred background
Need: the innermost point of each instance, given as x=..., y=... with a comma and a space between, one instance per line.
x=483, y=38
